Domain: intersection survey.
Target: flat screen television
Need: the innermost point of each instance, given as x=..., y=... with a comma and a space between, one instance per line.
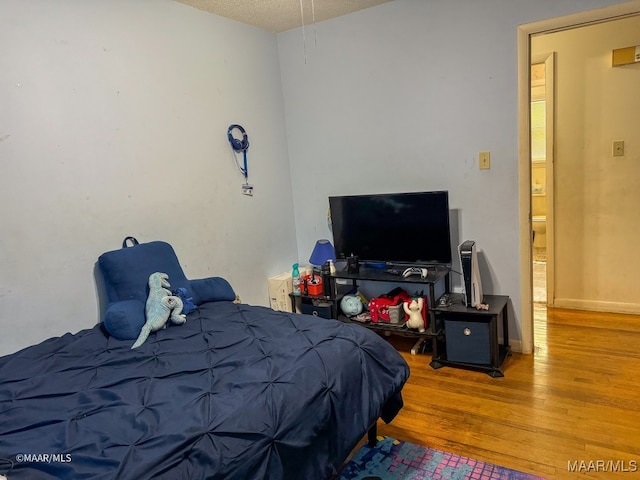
x=400, y=228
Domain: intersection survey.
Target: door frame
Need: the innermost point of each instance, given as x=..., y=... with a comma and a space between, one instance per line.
x=524, y=34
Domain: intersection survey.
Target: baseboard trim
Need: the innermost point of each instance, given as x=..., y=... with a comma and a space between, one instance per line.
x=516, y=345
x=597, y=306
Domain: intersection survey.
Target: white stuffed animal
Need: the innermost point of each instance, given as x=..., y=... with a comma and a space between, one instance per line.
x=414, y=310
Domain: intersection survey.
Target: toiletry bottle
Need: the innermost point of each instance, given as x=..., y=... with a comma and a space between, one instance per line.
x=326, y=279
x=295, y=276
x=332, y=267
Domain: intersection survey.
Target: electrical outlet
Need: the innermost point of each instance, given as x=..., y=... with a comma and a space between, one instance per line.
x=484, y=160
x=618, y=148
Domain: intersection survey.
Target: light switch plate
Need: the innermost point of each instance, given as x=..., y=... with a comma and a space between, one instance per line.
x=618, y=148
x=484, y=160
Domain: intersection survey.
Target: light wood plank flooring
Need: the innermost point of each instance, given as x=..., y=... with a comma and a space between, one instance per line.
x=577, y=399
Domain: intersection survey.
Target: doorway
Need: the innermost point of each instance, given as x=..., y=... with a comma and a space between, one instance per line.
x=585, y=282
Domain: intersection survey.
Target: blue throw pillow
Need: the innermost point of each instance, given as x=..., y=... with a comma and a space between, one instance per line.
x=124, y=320
x=212, y=289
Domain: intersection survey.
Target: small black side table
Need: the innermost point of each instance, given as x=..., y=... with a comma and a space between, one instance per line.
x=471, y=336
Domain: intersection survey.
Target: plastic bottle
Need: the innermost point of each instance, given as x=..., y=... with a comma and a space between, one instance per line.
x=295, y=276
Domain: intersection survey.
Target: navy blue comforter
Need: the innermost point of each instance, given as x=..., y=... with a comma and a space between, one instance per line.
x=238, y=392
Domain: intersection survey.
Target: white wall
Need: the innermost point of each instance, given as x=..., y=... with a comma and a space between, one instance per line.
x=114, y=118
x=113, y=122
x=596, y=195
x=402, y=97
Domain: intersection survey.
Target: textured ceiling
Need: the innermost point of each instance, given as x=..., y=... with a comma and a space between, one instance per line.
x=281, y=15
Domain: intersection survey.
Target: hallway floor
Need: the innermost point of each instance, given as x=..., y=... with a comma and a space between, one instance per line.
x=539, y=275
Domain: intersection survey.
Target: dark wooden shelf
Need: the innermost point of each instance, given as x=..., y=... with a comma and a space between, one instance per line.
x=434, y=274
x=427, y=340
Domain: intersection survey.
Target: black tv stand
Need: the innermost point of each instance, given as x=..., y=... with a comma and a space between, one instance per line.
x=434, y=276
x=457, y=335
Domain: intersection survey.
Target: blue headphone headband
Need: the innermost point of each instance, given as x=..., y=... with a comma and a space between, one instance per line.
x=238, y=145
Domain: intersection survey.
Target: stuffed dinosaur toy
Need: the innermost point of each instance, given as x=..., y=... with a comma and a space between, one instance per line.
x=161, y=307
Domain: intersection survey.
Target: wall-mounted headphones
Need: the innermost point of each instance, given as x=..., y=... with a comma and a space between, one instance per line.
x=236, y=144
x=240, y=146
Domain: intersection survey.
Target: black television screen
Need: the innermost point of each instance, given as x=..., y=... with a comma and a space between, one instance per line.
x=403, y=228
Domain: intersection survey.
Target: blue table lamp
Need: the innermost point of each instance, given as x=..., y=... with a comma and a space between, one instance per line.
x=322, y=252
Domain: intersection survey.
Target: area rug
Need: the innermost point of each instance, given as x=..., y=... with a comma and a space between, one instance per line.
x=392, y=459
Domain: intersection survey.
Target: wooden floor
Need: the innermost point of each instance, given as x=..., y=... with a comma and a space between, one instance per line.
x=570, y=410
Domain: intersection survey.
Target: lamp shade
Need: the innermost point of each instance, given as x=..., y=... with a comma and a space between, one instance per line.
x=322, y=252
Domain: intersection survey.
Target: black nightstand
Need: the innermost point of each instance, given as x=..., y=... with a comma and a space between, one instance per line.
x=471, y=336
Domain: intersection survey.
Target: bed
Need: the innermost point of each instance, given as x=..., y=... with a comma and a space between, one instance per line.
x=236, y=392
